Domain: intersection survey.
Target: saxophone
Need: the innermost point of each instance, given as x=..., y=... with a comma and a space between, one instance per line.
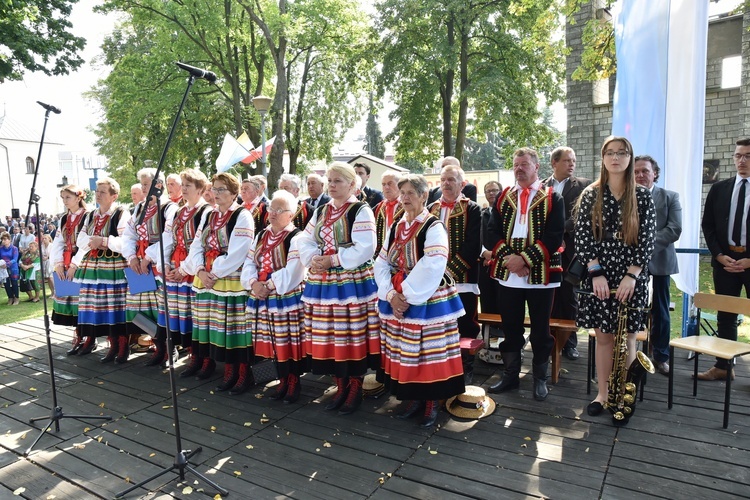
x=624, y=381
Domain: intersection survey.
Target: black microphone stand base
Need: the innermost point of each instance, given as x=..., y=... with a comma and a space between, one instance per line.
x=181, y=464
x=54, y=418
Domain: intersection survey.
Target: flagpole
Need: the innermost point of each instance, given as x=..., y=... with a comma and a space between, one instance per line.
x=262, y=104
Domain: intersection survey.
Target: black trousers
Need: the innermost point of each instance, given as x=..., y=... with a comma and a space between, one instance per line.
x=565, y=306
x=513, y=310
x=729, y=284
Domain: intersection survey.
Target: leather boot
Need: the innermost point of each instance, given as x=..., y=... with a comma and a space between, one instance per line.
x=413, y=408
x=193, y=366
x=431, y=409
x=159, y=354
x=77, y=343
x=281, y=389
x=124, y=350
x=207, y=369
x=89, y=345
x=354, y=398
x=512, y=363
x=540, y=381
x=245, y=380
x=342, y=387
x=231, y=375
x=113, y=348
x=292, y=393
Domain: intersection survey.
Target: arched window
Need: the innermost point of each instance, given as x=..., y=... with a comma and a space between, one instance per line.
x=29, y=165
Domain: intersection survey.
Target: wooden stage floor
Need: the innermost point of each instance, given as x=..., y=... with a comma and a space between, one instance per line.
x=258, y=448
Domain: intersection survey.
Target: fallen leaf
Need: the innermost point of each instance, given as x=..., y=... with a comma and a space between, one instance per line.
x=433, y=452
x=79, y=446
x=166, y=407
x=259, y=396
x=288, y=433
x=248, y=424
x=264, y=416
x=32, y=389
x=99, y=439
x=51, y=497
x=87, y=429
x=213, y=428
x=217, y=497
x=193, y=409
x=187, y=490
x=527, y=438
x=100, y=383
x=317, y=449
x=390, y=474
x=264, y=420
x=23, y=436
x=19, y=491
x=101, y=405
x=587, y=450
x=326, y=444
x=381, y=480
x=115, y=431
x=152, y=455
x=127, y=479
x=237, y=473
x=523, y=445
x=249, y=447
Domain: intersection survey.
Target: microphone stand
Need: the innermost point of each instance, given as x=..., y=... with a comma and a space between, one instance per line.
x=182, y=457
x=57, y=413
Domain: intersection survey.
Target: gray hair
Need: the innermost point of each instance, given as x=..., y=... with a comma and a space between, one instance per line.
x=418, y=182
x=286, y=198
x=294, y=179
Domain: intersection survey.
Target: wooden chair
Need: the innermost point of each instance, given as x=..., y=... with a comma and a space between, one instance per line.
x=713, y=346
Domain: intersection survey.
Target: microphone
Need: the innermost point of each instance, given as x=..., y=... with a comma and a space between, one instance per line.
x=198, y=72
x=49, y=107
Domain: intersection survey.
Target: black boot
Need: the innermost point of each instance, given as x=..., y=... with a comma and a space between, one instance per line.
x=431, y=409
x=281, y=389
x=512, y=363
x=193, y=367
x=231, y=375
x=293, y=390
x=89, y=344
x=354, y=398
x=159, y=354
x=245, y=380
x=114, y=346
x=412, y=409
x=540, y=381
x=342, y=389
x=207, y=369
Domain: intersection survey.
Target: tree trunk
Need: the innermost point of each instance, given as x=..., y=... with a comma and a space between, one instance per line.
x=463, y=103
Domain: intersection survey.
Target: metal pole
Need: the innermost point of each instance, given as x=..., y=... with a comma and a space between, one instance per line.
x=264, y=170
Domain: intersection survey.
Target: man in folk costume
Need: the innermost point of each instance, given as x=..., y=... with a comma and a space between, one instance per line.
x=390, y=209
x=174, y=190
x=140, y=247
x=463, y=219
x=291, y=183
x=526, y=234
x=250, y=192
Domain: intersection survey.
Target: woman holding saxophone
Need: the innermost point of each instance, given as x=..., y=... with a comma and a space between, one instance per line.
x=614, y=236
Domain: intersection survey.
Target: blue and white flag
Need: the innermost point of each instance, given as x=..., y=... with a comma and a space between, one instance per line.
x=660, y=102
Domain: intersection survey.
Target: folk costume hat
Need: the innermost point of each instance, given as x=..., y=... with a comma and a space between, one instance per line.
x=473, y=404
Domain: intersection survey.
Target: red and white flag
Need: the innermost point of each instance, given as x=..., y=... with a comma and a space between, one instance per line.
x=257, y=153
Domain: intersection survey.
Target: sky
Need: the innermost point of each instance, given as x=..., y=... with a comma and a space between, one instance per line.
x=71, y=127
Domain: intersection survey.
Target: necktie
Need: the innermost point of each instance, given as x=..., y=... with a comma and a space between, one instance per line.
x=524, y=201
x=737, y=229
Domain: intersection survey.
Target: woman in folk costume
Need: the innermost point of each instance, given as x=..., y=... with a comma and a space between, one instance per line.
x=419, y=306
x=141, y=251
x=341, y=318
x=221, y=330
x=100, y=269
x=179, y=283
x=65, y=309
x=273, y=273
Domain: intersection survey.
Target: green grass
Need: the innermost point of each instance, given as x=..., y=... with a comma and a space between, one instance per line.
x=706, y=285
x=24, y=310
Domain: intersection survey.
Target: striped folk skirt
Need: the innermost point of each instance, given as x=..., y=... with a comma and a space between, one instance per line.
x=221, y=330
x=101, y=302
x=422, y=353
x=180, y=297
x=65, y=309
x=279, y=321
x=342, y=327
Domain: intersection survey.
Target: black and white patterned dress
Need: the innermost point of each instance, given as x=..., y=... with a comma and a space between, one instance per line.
x=615, y=257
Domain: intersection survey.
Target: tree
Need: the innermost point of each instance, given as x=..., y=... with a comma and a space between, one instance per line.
x=374, y=144
x=35, y=37
x=458, y=68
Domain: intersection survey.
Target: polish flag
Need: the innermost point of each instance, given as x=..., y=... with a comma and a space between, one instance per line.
x=232, y=151
x=257, y=153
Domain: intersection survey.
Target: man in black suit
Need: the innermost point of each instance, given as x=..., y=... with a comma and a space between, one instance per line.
x=570, y=187
x=663, y=262
x=725, y=228
x=315, y=188
x=368, y=194
x=469, y=190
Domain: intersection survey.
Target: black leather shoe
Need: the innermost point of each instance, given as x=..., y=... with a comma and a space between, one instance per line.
x=430, y=414
x=594, y=409
x=505, y=384
x=571, y=353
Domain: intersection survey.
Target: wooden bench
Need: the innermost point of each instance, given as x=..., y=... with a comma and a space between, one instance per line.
x=560, y=329
x=713, y=346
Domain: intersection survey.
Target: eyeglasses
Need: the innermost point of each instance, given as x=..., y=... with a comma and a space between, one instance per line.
x=219, y=190
x=277, y=211
x=616, y=154
x=740, y=157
